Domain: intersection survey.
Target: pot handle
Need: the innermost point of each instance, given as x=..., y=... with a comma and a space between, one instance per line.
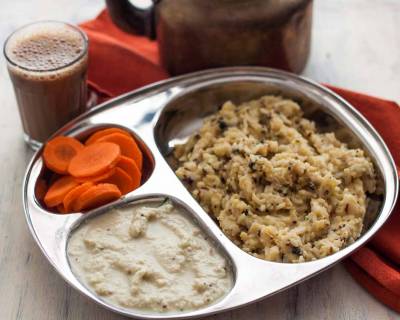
x=133, y=16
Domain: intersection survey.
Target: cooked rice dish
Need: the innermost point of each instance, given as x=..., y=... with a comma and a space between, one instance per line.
x=279, y=189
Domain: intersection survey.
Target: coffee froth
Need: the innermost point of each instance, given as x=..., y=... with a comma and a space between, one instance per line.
x=42, y=48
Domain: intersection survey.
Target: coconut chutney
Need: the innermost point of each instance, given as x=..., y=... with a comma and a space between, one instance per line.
x=150, y=258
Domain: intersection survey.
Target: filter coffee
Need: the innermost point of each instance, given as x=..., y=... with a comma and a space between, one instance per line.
x=47, y=63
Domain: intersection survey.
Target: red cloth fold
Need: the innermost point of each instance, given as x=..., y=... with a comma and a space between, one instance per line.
x=120, y=62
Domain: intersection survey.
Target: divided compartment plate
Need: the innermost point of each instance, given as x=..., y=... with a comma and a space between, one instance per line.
x=166, y=113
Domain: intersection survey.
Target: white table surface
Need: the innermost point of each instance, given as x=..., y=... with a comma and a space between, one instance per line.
x=356, y=45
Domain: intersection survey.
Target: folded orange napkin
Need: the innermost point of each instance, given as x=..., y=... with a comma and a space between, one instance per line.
x=121, y=62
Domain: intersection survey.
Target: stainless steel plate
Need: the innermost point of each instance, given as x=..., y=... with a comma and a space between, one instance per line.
x=167, y=112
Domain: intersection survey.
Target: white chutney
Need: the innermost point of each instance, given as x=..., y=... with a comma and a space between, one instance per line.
x=149, y=258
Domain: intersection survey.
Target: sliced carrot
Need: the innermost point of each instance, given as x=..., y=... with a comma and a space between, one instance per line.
x=61, y=208
x=129, y=147
x=94, y=159
x=57, y=191
x=59, y=151
x=69, y=202
x=101, y=133
x=97, y=195
x=122, y=180
x=40, y=189
x=98, y=178
x=130, y=167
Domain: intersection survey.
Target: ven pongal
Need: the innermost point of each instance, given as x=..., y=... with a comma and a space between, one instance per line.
x=279, y=189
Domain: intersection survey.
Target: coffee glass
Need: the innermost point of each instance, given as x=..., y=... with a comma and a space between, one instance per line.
x=47, y=64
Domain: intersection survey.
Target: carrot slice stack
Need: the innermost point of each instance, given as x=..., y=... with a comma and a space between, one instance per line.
x=85, y=176
x=122, y=180
x=98, y=178
x=94, y=159
x=128, y=146
x=97, y=195
x=71, y=197
x=57, y=191
x=58, y=153
x=99, y=134
x=130, y=167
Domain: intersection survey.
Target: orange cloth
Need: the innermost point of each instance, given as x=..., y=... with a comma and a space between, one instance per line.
x=120, y=62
